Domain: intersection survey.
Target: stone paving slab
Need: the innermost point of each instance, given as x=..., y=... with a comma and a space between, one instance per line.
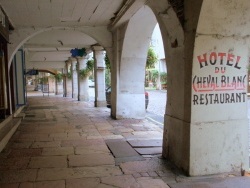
x=48, y=162
x=58, y=151
x=13, y=176
x=120, y=160
x=14, y=163
x=149, y=151
x=121, y=148
x=119, y=181
x=25, y=152
x=148, y=165
x=90, y=160
x=107, y=137
x=129, y=136
x=70, y=143
x=81, y=143
x=94, y=137
x=43, y=184
x=145, y=182
x=83, y=182
x=34, y=136
x=41, y=107
x=19, y=145
x=147, y=132
x=58, y=135
x=98, y=149
x=80, y=172
x=51, y=144
x=10, y=185
x=234, y=182
x=145, y=143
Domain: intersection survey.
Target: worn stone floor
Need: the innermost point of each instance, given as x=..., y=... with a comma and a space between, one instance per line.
x=64, y=143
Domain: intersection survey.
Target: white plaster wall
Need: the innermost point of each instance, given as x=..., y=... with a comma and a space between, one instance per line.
x=218, y=147
x=100, y=96
x=69, y=87
x=74, y=79
x=20, y=86
x=219, y=132
x=82, y=86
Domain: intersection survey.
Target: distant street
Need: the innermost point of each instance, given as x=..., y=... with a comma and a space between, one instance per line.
x=157, y=105
x=157, y=101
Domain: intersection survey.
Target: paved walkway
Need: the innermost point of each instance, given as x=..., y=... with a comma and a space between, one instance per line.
x=157, y=102
x=63, y=143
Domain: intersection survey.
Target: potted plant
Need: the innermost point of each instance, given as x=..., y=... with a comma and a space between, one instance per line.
x=163, y=77
x=59, y=77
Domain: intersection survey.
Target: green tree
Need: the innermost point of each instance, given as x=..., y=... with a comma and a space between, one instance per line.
x=163, y=77
x=59, y=77
x=151, y=58
x=107, y=71
x=107, y=62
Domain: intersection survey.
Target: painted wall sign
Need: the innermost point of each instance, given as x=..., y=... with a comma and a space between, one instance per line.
x=217, y=84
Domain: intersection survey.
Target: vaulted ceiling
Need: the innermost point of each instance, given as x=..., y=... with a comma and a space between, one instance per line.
x=54, y=46
x=38, y=13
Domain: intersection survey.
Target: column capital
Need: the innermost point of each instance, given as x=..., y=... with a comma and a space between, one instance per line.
x=78, y=58
x=97, y=48
x=72, y=59
x=67, y=62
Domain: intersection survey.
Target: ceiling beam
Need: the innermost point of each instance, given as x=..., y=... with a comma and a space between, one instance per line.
x=67, y=46
x=126, y=12
x=45, y=65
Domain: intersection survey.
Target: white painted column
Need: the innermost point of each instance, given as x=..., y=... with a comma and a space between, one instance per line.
x=219, y=125
x=99, y=55
x=20, y=83
x=68, y=84
x=74, y=78
x=83, y=87
x=64, y=81
x=56, y=87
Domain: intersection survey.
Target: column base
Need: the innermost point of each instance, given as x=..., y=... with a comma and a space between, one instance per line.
x=68, y=94
x=100, y=103
x=74, y=96
x=83, y=98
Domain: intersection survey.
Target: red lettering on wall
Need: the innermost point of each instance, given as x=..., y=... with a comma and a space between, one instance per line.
x=226, y=59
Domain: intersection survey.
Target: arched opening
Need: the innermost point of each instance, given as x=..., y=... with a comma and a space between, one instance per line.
x=134, y=38
x=130, y=89
x=50, y=50
x=156, y=78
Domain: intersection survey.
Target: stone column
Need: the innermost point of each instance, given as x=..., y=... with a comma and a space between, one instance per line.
x=68, y=81
x=56, y=87
x=35, y=82
x=65, y=81
x=74, y=78
x=99, y=55
x=83, y=94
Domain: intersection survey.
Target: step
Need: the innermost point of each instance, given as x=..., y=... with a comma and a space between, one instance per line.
x=7, y=130
x=19, y=112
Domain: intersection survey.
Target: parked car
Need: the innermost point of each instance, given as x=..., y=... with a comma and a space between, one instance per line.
x=108, y=98
x=91, y=83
